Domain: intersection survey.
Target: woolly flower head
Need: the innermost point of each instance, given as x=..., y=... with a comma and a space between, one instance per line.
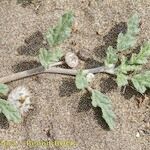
x=20, y=98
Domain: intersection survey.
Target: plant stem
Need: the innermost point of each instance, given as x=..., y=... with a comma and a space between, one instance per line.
x=89, y=89
x=52, y=69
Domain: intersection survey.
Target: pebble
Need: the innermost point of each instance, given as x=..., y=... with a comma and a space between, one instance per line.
x=137, y=134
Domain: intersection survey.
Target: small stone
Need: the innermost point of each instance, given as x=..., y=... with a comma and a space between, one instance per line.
x=137, y=134
x=84, y=55
x=16, y=53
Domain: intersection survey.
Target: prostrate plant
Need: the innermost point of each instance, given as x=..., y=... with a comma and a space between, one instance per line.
x=18, y=102
x=9, y=110
x=120, y=61
x=128, y=69
x=54, y=37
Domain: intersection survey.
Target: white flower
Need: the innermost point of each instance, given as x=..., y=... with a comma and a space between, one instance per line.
x=20, y=98
x=90, y=77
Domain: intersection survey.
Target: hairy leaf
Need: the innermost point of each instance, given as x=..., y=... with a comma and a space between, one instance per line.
x=81, y=80
x=125, y=67
x=62, y=31
x=102, y=101
x=47, y=57
x=122, y=79
x=11, y=113
x=112, y=57
x=141, y=81
x=142, y=57
x=133, y=24
x=125, y=42
x=128, y=40
x=3, y=89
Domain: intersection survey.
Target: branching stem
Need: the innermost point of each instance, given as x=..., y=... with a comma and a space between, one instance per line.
x=52, y=69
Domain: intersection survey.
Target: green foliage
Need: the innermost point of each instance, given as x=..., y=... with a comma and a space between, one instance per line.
x=98, y=99
x=62, y=31
x=102, y=101
x=141, y=81
x=11, y=113
x=133, y=25
x=124, y=41
x=125, y=67
x=81, y=80
x=112, y=57
x=3, y=89
x=128, y=40
x=47, y=57
x=122, y=79
x=122, y=71
x=142, y=57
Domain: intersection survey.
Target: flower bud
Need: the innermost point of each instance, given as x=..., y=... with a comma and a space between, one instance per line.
x=71, y=60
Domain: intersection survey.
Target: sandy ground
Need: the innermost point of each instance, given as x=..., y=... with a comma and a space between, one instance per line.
x=60, y=111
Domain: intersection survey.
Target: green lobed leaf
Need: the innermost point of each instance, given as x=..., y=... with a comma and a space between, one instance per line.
x=125, y=42
x=81, y=80
x=112, y=57
x=46, y=58
x=62, y=31
x=125, y=67
x=3, y=89
x=128, y=40
x=141, y=81
x=133, y=24
x=102, y=101
x=142, y=57
x=122, y=79
x=56, y=55
x=11, y=113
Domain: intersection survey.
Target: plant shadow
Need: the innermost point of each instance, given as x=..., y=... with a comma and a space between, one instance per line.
x=110, y=39
x=67, y=88
x=98, y=116
x=108, y=84
x=85, y=105
x=130, y=92
x=32, y=44
x=4, y=124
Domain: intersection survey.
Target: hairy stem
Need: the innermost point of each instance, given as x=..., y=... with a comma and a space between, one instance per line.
x=52, y=69
x=89, y=89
